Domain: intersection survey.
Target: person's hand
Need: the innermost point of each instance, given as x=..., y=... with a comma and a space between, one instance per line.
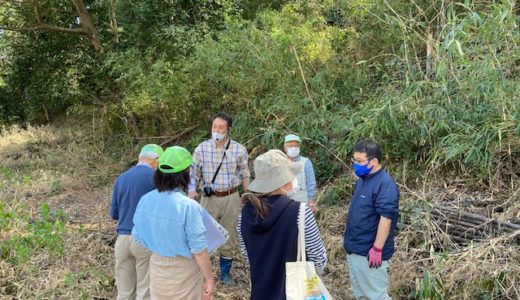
x=208, y=290
x=312, y=206
x=375, y=257
x=193, y=195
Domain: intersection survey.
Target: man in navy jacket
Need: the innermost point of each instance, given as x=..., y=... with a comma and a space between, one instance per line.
x=371, y=221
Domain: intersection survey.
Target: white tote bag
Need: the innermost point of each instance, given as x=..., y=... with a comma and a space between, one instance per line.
x=301, y=280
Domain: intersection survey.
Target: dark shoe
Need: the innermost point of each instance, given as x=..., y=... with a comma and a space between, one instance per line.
x=227, y=280
x=225, y=268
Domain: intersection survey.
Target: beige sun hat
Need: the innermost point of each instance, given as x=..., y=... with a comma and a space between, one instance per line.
x=273, y=169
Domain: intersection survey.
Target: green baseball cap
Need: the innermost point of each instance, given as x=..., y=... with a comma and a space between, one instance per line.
x=175, y=159
x=152, y=150
x=292, y=138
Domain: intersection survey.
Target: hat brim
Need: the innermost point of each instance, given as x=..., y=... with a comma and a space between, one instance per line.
x=277, y=179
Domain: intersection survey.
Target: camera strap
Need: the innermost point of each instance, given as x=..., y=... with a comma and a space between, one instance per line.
x=223, y=156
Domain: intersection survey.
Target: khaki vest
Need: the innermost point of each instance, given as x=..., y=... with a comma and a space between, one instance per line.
x=300, y=184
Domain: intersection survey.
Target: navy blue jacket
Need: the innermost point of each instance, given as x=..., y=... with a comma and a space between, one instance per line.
x=270, y=242
x=374, y=196
x=128, y=190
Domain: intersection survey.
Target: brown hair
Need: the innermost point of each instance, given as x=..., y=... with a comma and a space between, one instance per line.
x=258, y=202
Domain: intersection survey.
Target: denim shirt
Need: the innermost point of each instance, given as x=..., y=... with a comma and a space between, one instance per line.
x=170, y=224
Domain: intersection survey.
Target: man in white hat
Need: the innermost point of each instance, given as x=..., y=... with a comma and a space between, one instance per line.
x=305, y=183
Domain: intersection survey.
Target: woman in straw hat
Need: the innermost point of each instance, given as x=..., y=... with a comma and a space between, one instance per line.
x=267, y=226
x=170, y=224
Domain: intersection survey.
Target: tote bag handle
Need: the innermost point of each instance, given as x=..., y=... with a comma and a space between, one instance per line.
x=301, y=255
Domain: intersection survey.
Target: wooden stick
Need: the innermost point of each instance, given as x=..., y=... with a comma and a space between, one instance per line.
x=303, y=76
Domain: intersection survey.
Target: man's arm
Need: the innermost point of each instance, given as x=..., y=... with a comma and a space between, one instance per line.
x=195, y=174
x=114, y=209
x=310, y=178
x=383, y=230
x=244, y=168
x=387, y=207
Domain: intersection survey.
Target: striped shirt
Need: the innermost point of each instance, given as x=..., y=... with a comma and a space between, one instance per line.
x=313, y=244
x=207, y=157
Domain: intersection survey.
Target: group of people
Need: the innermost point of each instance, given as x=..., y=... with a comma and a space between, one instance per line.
x=162, y=250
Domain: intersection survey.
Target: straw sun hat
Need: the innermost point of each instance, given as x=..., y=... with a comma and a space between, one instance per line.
x=273, y=170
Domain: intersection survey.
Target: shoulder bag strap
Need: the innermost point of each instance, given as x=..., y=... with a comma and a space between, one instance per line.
x=223, y=156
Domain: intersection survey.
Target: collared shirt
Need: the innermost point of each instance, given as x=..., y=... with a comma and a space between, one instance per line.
x=170, y=224
x=207, y=158
x=310, y=178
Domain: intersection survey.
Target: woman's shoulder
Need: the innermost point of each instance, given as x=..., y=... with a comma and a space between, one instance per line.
x=186, y=201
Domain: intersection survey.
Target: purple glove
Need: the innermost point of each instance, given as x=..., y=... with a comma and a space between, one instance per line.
x=375, y=257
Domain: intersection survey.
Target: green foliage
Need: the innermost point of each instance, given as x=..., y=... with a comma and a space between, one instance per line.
x=27, y=237
x=430, y=288
x=435, y=82
x=337, y=193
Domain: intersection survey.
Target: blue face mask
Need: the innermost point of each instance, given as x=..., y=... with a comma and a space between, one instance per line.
x=362, y=170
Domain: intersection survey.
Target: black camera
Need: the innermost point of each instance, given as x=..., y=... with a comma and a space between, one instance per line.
x=208, y=191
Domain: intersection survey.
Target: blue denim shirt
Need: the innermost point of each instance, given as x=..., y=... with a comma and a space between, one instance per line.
x=170, y=224
x=374, y=196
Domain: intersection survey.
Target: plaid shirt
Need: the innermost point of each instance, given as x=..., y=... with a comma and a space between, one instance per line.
x=207, y=157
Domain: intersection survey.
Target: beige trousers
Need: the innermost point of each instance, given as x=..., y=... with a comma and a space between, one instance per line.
x=132, y=264
x=225, y=210
x=175, y=278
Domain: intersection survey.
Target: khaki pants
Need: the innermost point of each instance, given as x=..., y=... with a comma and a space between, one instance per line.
x=225, y=210
x=175, y=278
x=132, y=264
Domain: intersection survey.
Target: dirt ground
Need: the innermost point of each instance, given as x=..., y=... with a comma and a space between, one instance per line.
x=66, y=168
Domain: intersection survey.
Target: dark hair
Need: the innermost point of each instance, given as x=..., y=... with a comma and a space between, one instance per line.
x=371, y=148
x=258, y=202
x=225, y=117
x=170, y=181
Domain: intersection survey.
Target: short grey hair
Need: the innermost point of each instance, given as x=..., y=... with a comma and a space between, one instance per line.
x=148, y=155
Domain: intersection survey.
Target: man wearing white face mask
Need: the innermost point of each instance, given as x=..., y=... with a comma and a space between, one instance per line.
x=220, y=168
x=305, y=183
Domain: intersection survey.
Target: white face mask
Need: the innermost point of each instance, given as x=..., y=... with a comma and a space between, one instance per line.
x=217, y=136
x=290, y=193
x=293, y=151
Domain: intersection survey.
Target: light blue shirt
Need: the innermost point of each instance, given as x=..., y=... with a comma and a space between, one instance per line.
x=170, y=224
x=312, y=189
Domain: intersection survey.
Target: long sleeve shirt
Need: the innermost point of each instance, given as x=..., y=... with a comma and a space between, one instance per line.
x=207, y=157
x=170, y=224
x=128, y=189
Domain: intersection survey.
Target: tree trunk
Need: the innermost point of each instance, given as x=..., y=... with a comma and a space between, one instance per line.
x=87, y=25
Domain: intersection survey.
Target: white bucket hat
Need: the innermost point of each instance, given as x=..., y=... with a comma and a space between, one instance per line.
x=273, y=169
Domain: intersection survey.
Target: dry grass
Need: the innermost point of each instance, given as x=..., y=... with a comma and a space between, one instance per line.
x=64, y=167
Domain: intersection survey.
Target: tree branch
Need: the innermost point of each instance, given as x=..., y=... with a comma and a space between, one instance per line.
x=87, y=29
x=44, y=27
x=87, y=25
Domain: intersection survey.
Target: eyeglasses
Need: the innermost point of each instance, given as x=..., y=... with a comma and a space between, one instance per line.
x=359, y=162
